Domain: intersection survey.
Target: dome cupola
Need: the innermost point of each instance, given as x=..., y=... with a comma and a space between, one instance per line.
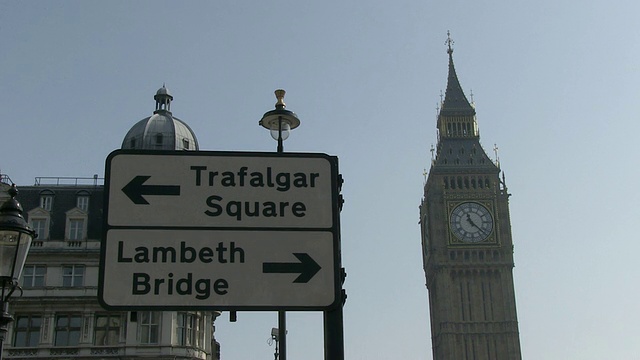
x=163, y=99
x=162, y=130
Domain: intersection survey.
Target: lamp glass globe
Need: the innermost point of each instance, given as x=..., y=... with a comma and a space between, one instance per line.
x=285, y=131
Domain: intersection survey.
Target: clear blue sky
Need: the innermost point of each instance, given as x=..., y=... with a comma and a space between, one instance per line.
x=556, y=87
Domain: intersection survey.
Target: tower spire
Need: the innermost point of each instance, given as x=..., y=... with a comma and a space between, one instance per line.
x=457, y=117
x=455, y=102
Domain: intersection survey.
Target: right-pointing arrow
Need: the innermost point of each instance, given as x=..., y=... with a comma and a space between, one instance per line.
x=307, y=268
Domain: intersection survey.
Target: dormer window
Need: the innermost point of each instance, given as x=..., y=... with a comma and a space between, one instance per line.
x=39, y=220
x=185, y=144
x=82, y=202
x=46, y=202
x=39, y=225
x=76, y=225
x=76, y=229
x=158, y=139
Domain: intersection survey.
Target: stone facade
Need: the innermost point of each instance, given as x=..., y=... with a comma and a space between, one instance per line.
x=58, y=314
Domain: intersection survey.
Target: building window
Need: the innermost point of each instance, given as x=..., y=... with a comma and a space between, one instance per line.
x=40, y=227
x=189, y=329
x=107, y=329
x=148, y=327
x=72, y=275
x=68, y=330
x=185, y=144
x=76, y=224
x=82, y=203
x=158, y=139
x=46, y=202
x=184, y=329
x=33, y=276
x=76, y=229
x=27, y=331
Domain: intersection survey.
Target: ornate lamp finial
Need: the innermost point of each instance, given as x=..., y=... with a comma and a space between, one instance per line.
x=280, y=96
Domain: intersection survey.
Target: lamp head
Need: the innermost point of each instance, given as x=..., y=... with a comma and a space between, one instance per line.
x=280, y=120
x=15, y=239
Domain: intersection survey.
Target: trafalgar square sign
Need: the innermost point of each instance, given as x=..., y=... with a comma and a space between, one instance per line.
x=220, y=230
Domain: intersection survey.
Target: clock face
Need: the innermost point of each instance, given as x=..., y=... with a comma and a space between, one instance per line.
x=471, y=222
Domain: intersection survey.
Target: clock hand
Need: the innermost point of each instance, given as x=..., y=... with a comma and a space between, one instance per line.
x=474, y=224
x=471, y=221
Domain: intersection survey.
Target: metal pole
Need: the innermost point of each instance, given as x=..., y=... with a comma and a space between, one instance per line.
x=333, y=334
x=334, y=319
x=282, y=334
x=280, y=146
x=282, y=316
x=5, y=319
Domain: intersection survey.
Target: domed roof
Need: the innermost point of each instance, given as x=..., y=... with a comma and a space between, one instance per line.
x=162, y=91
x=161, y=131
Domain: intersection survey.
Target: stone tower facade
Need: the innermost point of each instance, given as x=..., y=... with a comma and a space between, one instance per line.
x=466, y=241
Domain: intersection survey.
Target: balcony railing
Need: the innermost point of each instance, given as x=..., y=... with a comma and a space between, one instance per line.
x=68, y=181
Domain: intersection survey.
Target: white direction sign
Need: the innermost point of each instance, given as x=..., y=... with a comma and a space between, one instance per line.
x=221, y=231
x=223, y=190
x=218, y=269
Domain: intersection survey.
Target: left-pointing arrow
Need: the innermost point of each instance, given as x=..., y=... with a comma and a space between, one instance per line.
x=136, y=188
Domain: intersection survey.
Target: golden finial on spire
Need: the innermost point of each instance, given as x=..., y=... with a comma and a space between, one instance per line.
x=449, y=42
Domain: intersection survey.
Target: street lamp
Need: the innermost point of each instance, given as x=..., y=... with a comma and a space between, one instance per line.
x=280, y=121
x=15, y=240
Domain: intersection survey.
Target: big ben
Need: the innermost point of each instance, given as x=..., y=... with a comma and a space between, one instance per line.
x=466, y=240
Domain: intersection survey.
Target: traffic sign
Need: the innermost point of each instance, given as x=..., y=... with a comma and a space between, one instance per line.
x=219, y=269
x=220, y=231
x=219, y=189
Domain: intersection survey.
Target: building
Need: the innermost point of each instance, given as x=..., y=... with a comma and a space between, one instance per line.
x=466, y=240
x=58, y=315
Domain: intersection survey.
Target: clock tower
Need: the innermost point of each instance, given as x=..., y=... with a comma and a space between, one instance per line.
x=466, y=240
